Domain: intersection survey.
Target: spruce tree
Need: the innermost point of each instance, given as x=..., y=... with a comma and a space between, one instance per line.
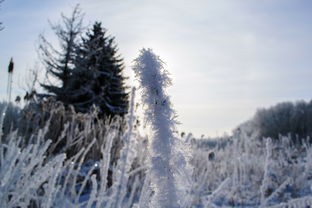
x=97, y=78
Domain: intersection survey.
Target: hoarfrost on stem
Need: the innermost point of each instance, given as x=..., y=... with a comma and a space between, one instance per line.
x=154, y=78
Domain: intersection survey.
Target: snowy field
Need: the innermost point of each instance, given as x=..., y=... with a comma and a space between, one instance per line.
x=233, y=172
x=53, y=157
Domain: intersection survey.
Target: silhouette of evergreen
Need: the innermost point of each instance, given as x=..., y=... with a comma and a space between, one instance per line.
x=97, y=78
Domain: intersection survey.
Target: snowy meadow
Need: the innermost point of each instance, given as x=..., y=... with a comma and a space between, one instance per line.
x=51, y=156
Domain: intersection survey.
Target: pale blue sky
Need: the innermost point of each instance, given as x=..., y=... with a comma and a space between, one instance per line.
x=227, y=58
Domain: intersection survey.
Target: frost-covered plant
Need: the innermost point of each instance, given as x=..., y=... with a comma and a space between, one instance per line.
x=249, y=173
x=124, y=164
x=278, y=180
x=33, y=177
x=102, y=183
x=28, y=178
x=10, y=114
x=68, y=130
x=166, y=163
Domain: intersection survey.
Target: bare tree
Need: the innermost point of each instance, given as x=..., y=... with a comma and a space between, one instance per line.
x=59, y=62
x=28, y=84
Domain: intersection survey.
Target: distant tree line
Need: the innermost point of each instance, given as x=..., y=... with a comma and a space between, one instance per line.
x=284, y=119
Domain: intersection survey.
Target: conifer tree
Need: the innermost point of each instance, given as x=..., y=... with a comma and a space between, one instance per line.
x=97, y=78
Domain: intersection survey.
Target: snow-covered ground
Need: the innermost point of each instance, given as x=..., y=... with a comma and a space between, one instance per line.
x=53, y=157
x=239, y=171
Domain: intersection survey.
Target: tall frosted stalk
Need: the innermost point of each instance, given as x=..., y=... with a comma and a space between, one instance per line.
x=154, y=79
